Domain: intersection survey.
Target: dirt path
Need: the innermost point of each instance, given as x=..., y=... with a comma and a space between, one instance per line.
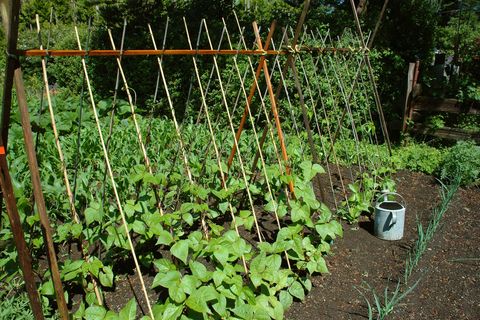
x=449, y=288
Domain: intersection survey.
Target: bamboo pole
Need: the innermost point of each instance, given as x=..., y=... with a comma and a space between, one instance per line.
x=229, y=117
x=252, y=123
x=269, y=126
x=273, y=103
x=212, y=136
x=253, y=87
x=63, y=167
x=146, y=159
x=306, y=120
x=112, y=180
x=298, y=29
x=10, y=17
x=177, y=128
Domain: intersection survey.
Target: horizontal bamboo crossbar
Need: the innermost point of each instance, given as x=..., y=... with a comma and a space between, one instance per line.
x=173, y=52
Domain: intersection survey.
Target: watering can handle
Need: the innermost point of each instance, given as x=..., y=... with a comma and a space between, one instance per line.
x=394, y=218
x=390, y=193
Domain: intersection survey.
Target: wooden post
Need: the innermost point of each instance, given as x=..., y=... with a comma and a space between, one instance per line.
x=10, y=16
x=298, y=30
x=24, y=256
x=250, y=95
x=273, y=102
x=408, y=94
x=38, y=194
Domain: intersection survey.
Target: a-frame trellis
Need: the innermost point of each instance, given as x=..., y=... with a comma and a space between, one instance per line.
x=291, y=49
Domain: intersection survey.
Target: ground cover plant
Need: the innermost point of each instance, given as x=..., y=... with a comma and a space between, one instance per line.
x=201, y=276
x=209, y=238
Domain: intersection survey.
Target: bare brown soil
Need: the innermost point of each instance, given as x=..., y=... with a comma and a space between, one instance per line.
x=449, y=271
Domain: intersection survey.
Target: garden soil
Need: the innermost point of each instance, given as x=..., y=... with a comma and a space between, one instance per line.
x=448, y=272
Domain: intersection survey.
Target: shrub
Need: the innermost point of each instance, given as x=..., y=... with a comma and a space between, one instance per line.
x=463, y=162
x=418, y=157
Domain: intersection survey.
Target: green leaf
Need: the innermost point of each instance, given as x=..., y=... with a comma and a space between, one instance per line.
x=296, y=290
x=164, y=265
x=106, y=277
x=221, y=254
x=208, y=293
x=139, y=227
x=94, y=213
x=329, y=230
x=129, y=311
x=180, y=250
x=76, y=230
x=164, y=237
x=188, y=218
x=197, y=303
x=244, y=311
x=95, y=266
x=47, y=288
x=221, y=306
x=111, y=316
x=299, y=212
x=177, y=294
x=190, y=283
x=80, y=312
x=172, y=312
x=199, y=271
x=95, y=313
x=167, y=280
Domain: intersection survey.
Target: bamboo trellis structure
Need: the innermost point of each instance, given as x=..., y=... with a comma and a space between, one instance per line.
x=256, y=98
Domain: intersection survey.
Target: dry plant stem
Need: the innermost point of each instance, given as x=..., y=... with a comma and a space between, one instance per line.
x=239, y=155
x=177, y=128
x=252, y=123
x=62, y=159
x=212, y=135
x=38, y=193
x=137, y=127
x=112, y=180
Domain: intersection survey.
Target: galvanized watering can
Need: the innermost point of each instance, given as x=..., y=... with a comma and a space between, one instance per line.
x=389, y=217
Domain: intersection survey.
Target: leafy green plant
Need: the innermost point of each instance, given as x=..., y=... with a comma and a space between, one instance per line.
x=390, y=300
x=461, y=162
x=14, y=303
